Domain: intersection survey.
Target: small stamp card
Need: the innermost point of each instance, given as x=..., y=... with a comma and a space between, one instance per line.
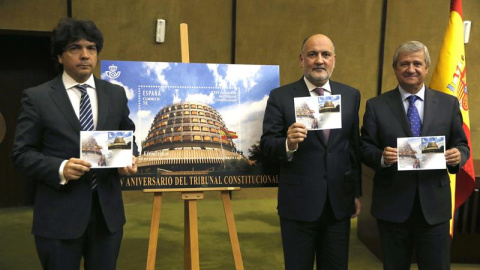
x=322, y=112
x=107, y=149
x=421, y=153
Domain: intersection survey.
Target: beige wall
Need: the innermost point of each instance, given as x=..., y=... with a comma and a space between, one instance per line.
x=268, y=32
x=129, y=29
x=272, y=31
x=31, y=15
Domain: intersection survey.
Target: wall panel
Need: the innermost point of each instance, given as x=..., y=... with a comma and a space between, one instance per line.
x=129, y=29
x=272, y=31
x=31, y=15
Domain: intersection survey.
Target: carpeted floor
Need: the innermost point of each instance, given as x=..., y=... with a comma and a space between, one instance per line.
x=256, y=221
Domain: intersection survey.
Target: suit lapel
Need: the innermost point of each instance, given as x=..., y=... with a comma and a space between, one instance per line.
x=62, y=101
x=394, y=100
x=103, y=103
x=430, y=106
x=300, y=89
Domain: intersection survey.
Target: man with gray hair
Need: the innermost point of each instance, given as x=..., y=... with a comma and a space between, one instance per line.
x=412, y=207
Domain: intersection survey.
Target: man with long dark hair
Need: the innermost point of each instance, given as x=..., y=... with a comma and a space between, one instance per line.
x=78, y=212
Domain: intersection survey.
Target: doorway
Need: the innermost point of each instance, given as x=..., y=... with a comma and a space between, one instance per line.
x=26, y=63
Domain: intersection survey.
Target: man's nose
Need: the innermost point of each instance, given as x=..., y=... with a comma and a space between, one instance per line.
x=319, y=59
x=411, y=68
x=84, y=53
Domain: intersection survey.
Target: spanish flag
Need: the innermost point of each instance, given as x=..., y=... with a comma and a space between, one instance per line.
x=450, y=77
x=228, y=134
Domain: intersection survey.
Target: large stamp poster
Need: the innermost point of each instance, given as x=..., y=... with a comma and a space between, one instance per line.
x=197, y=125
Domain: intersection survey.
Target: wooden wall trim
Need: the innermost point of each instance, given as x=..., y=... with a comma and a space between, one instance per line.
x=381, y=51
x=69, y=8
x=234, y=30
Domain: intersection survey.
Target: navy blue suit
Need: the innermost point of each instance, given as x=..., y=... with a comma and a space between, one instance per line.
x=394, y=191
x=412, y=201
x=322, y=176
x=47, y=133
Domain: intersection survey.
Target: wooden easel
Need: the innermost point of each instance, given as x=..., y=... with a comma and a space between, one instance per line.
x=190, y=197
x=191, y=253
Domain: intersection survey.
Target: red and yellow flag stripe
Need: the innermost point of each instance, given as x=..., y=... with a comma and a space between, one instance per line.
x=450, y=77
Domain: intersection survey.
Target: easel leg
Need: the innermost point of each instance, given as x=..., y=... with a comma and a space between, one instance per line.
x=232, y=231
x=152, y=242
x=191, y=253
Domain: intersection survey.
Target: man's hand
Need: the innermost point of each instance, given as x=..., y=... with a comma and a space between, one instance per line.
x=453, y=156
x=389, y=155
x=296, y=134
x=129, y=169
x=358, y=208
x=75, y=168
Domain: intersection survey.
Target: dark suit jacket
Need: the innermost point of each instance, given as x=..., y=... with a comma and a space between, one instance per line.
x=384, y=121
x=47, y=133
x=318, y=169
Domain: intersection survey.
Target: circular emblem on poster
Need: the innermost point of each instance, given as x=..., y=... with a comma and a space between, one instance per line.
x=3, y=128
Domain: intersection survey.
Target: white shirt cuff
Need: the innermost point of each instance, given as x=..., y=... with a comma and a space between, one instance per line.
x=289, y=152
x=63, y=180
x=382, y=163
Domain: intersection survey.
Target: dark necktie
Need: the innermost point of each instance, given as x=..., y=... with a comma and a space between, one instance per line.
x=86, y=120
x=413, y=116
x=326, y=132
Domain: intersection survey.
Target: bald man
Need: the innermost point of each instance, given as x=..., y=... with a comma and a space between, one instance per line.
x=320, y=173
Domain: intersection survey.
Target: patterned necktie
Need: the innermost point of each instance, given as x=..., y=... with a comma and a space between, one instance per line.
x=326, y=132
x=86, y=120
x=413, y=116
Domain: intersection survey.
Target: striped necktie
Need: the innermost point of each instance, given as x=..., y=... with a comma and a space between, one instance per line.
x=326, y=132
x=86, y=120
x=86, y=115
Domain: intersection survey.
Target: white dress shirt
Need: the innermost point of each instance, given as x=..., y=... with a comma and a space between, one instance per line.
x=419, y=103
x=74, y=94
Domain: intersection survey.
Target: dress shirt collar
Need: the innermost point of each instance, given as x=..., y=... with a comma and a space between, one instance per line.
x=326, y=87
x=69, y=82
x=405, y=94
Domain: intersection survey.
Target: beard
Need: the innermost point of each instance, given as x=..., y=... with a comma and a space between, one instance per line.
x=316, y=78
